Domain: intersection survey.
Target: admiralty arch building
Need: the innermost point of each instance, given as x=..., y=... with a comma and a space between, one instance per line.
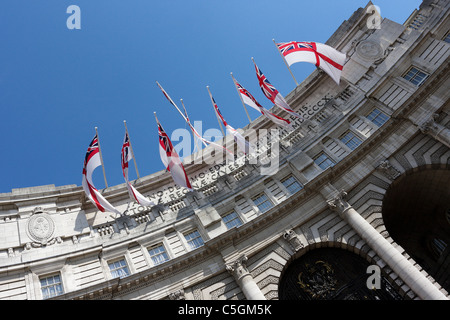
x=356, y=208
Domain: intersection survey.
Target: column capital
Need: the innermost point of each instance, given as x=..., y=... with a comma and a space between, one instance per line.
x=177, y=295
x=238, y=268
x=338, y=203
x=430, y=126
x=436, y=130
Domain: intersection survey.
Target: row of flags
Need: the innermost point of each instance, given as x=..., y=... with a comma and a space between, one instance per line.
x=323, y=56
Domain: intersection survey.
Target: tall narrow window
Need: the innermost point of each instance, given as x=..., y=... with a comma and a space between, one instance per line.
x=194, y=239
x=377, y=117
x=232, y=220
x=351, y=140
x=263, y=203
x=324, y=161
x=291, y=184
x=415, y=76
x=51, y=286
x=118, y=269
x=158, y=254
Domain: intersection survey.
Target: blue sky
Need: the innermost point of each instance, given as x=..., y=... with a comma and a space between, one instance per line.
x=57, y=85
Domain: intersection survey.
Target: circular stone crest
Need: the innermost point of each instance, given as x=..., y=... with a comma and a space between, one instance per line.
x=41, y=227
x=368, y=49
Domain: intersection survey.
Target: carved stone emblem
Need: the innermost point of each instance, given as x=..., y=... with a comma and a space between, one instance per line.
x=369, y=50
x=292, y=238
x=40, y=227
x=388, y=170
x=177, y=295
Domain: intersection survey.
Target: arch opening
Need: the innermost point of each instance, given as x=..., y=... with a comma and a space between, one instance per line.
x=333, y=274
x=416, y=215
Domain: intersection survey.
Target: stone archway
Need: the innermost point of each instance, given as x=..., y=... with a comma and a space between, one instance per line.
x=416, y=212
x=331, y=274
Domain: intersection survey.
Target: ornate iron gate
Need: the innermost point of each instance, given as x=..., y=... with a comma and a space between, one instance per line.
x=331, y=274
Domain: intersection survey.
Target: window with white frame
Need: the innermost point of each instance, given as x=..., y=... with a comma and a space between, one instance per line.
x=158, y=254
x=377, y=117
x=119, y=268
x=351, y=140
x=262, y=202
x=232, y=220
x=291, y=184
x=324, y=161
x=415, y=76
x=194, y=239
x=51, y=286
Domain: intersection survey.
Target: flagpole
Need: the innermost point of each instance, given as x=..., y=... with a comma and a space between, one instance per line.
x=239, y=94
x=178, y=109
x=217, y=116
x=193, y=134
x=101, y=158
x=284, y=59
x=131, y=148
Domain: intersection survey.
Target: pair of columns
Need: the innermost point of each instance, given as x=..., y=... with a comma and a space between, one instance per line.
x=415, y=279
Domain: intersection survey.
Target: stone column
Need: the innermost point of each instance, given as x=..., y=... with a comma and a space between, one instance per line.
x=417, y=281
x=436, y=130
x=245, y=280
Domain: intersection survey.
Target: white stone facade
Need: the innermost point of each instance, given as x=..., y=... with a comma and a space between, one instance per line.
x=48, y=230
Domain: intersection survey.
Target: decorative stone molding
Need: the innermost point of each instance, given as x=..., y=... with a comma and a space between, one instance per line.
x=339, y=203
x=177, y=295
x=238, y=268
x=292, y=238
x=436, y=130
x=388, y=170
x=40, y=228
x=430, y=126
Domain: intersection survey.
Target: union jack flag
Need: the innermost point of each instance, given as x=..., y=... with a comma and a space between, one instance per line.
x=92, y=150
x=266, y=87
x=126, y=156
x=248, y=99
x=273, y=94
x=218, y=112
x=244, y=91
x=327, y=58
x=165, y=142
x=171, y=160
x=289, y=47
x=92, y=161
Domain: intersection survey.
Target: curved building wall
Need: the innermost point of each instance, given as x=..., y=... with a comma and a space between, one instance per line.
x=372, y=128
